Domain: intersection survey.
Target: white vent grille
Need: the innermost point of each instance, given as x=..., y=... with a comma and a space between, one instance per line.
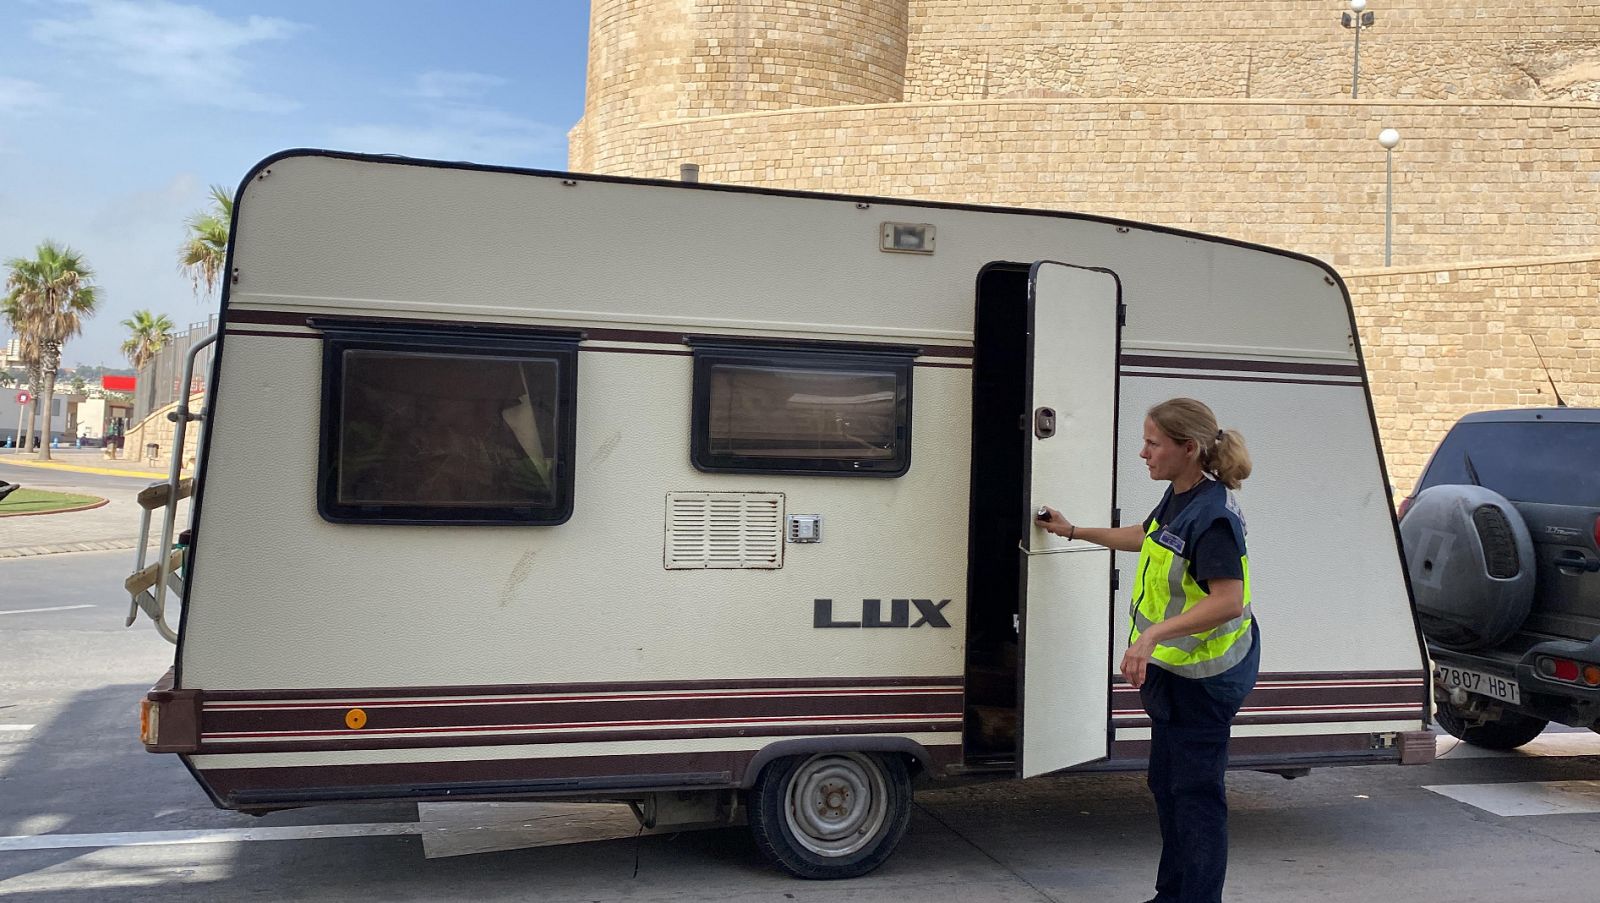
x=724, y=530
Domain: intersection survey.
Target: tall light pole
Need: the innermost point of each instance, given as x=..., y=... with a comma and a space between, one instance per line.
x=1358, y=19
x=1388, y=138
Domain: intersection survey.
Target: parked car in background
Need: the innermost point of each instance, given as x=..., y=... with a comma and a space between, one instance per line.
x=1502, y=541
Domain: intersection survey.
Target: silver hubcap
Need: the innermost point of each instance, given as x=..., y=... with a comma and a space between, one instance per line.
x=836, y=803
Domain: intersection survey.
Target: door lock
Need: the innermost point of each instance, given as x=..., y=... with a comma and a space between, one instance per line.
x=1044, y=422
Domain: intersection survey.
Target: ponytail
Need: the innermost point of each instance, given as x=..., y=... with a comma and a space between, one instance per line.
x=1228, y=460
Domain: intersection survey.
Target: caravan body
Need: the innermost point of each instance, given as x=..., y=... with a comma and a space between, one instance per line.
x=522, y=483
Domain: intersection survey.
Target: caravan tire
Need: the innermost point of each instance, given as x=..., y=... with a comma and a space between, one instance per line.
x=832, y=815
x=1509, y=731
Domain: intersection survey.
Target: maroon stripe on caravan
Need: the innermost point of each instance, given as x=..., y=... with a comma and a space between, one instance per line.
x=227, y=781
x=458, y=716
x=642, y=686
x=650, y=337
x=638, y=771
x=1409, y=716
x=1218, y=363
x=508, y=700
x=566, y=708
x=1217, y=377
x=952, y=727
x=1301, y=695
x=567, y=726
x=1125, y=753
x=1408, y=705
x=1321, y=677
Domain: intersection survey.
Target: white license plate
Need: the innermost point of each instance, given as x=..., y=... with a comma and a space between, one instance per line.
x=1493, y=685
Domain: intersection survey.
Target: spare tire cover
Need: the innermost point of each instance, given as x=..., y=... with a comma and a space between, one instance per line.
x=1471, y=562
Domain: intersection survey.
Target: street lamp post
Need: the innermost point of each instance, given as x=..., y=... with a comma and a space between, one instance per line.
x=1358, y=19
x=1388, y=138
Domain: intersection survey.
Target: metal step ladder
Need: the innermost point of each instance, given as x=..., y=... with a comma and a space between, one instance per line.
x=153, y=583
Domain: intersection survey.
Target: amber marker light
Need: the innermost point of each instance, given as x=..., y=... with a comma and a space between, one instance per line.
x=149, y=722
x=355, y=719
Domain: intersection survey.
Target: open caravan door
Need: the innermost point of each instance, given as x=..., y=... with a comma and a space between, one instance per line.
x=1074, y=337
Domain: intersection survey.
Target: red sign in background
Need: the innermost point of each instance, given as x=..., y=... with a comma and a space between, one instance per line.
x=118, y=383
x=23, y=398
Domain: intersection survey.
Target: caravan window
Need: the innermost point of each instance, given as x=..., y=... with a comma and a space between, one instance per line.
x=802, y=411
x=456, y=433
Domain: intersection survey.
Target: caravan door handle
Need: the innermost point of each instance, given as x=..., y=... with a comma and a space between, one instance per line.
x=1044, y=422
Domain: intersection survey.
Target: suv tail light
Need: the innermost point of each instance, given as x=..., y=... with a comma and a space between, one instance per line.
x=1405, y=505
x=1568, y=671
x=1597, y=532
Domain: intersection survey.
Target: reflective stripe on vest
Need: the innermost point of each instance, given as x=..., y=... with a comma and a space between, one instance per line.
x=1165, y=590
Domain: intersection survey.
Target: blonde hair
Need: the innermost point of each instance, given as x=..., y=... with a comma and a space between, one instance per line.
x=1222, y=452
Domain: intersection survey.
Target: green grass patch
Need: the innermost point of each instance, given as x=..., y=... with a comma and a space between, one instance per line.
x=38, y=501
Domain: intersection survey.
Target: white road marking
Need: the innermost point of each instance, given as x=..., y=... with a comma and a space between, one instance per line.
x=1527, y=798
x=31, y=611
x=447, y=829
x=16, y=727
x=219, y=835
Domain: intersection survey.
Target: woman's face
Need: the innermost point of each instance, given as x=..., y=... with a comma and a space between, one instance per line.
x=1166, y=457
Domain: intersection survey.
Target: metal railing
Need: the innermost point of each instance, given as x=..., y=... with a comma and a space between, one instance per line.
x=161, y=379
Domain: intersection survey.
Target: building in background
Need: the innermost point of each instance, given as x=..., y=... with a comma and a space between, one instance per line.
x=1236, y=122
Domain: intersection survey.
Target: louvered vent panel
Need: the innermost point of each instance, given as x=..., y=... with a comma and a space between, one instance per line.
x=724, y=530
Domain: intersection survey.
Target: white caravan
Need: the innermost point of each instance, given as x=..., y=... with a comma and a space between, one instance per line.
x=720, y=501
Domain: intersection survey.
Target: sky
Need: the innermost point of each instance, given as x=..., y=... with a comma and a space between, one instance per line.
x=116, y=115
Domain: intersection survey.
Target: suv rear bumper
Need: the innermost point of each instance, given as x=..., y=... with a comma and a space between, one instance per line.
x=1542, y=697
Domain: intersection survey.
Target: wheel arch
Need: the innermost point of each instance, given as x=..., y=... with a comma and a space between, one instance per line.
x=920, y=760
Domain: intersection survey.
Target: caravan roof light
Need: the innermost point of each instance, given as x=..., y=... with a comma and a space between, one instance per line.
x=907, y=238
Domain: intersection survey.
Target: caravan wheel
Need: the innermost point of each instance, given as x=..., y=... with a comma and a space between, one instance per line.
x=834, y=815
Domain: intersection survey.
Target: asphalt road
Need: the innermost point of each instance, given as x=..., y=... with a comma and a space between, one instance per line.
x=71, y=764
x=66, y=480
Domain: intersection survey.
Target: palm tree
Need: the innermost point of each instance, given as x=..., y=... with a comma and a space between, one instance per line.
x=149, y=334
x=11, y=308
x=48, y=297
x=205, y=252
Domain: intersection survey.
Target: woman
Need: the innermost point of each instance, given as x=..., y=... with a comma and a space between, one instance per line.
x=1193, y=647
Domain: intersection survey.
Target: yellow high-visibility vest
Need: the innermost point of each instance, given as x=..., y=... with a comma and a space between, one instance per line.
x=1164, y=588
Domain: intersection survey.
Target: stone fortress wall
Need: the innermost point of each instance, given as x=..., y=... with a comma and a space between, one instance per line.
x=1230, y=120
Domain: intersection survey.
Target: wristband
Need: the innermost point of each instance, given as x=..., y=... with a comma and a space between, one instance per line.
x=1072, y=533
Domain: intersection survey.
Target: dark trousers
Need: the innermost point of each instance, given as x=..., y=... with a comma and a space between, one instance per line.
x=1190, y=721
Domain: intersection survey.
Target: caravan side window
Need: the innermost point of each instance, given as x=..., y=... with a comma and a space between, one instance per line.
x=802, y=410
x=446, y=428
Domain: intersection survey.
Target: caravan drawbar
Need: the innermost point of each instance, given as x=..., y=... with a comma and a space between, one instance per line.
x=718, y=501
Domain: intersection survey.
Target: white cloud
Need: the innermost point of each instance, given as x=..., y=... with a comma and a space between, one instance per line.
x=454, y=85
x=512, y=143
x=19, y=96
x=452, y=124
x=187, y=51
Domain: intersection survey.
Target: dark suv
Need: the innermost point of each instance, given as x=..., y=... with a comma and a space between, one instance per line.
x=1502, y=540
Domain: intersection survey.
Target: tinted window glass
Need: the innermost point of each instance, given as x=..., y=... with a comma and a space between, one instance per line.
x=790, y=413
x=1547, y=462
x=802, y=413
x=446, y=435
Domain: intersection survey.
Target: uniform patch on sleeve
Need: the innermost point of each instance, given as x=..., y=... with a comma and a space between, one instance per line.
x=1171, y=541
